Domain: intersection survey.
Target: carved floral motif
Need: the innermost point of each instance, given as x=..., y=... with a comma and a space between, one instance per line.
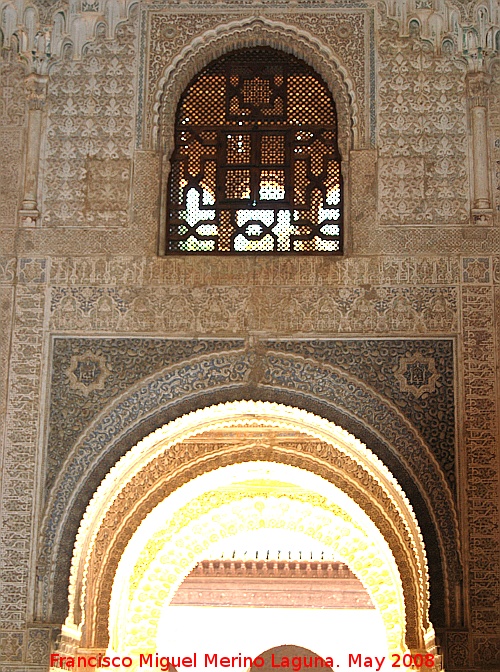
x=90, y=134
x=11, y=646
x=423, y=133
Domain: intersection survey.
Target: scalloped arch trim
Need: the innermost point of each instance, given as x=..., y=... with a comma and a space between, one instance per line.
x=252, y=32
x=242, y=414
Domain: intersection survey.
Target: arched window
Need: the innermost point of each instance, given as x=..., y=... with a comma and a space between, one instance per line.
x=256, y=166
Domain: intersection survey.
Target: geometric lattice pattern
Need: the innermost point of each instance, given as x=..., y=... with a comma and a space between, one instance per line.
x=256, y=167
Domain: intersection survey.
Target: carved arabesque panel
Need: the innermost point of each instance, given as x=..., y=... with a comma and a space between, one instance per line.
x=12, y=93
x=90, y=134
x=423, y=133
x=12, y=120
x=88, y=374
x=416, y=375
x=400, y=370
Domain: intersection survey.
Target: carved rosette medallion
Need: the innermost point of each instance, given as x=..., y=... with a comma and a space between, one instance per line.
x=417, y=374
x=87, y=372
x=476, y=270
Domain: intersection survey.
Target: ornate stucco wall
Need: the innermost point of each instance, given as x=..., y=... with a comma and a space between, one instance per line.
x=92, y=315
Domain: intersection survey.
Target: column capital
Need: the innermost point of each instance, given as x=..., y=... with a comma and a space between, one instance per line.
x=478, y=87
x=36, y=90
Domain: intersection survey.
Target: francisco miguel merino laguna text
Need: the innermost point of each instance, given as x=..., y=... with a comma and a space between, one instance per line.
x=164, y=663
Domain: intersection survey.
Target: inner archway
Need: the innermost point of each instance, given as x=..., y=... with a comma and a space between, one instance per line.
x=235, y=503
x=180, y=474
x=268, y=588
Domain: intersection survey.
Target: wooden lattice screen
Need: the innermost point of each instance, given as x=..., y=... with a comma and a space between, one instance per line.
x=256, y=166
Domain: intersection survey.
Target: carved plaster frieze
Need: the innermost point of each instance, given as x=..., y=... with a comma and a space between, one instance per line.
x=138, y=271
x=20, y=448
x=481, y=441
x=235, y=310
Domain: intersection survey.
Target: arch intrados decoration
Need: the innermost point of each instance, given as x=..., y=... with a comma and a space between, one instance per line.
x=116, y=529
x=412, y=565
x=254, y=32
x=147, y=580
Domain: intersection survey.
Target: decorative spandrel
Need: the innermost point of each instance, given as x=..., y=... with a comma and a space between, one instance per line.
x=256, y=166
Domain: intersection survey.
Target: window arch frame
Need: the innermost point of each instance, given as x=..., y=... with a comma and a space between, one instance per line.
x=340, y=146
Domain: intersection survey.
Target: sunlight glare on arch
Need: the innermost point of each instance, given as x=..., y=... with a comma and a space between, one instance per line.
x=237, y=481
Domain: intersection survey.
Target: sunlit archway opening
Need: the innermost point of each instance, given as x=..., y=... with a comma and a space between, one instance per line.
x=263, y=506
x=287, y=472
x=270, y=586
